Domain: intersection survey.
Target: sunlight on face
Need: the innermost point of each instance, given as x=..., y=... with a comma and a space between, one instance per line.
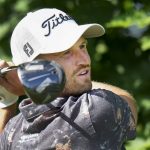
x=76, y=64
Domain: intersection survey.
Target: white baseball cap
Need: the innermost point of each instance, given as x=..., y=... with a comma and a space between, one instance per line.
x=48, y=30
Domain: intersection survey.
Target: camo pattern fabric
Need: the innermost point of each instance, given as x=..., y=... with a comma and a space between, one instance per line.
x=96, y=120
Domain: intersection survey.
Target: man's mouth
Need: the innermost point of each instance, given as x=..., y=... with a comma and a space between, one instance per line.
x=83, y=72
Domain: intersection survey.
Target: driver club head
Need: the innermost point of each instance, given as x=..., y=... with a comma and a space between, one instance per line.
x=43, y=80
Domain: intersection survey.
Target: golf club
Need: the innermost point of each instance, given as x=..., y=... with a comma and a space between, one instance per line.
x=42, y=80
x=3, y=71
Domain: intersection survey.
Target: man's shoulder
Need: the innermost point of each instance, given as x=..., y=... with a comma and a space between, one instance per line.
x=99, y=96
x=99, y=103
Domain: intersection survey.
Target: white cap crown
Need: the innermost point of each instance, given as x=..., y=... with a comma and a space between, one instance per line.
x=47, y=31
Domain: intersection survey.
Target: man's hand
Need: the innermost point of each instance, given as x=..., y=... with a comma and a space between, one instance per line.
x=11, y=83
x=10, y=80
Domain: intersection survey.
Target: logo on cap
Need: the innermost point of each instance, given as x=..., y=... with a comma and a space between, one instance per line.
x=28, y=49
x=54, y=21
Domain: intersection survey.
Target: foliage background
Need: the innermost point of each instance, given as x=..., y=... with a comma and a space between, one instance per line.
x=121, y=57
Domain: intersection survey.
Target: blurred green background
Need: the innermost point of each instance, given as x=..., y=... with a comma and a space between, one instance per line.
x=121, y=57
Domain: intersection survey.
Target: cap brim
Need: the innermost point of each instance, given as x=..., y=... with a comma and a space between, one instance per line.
x=92, y=30
x=68, y=39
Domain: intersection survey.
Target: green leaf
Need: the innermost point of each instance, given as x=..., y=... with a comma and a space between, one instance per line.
x=22, y=6
x=4, y=28
x=145, y=103
x=138, y=18
x=139, y=144
x=145, y=43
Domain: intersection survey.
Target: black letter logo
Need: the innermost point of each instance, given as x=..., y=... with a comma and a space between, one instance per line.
x=28, y=49
x=54, y=21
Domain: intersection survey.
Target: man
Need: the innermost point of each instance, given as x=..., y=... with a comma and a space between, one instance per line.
x=81, y=118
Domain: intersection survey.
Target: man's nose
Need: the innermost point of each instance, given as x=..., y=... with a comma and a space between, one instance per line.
x=83, y=58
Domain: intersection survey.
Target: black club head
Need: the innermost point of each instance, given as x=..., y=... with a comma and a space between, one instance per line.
x=43, y=80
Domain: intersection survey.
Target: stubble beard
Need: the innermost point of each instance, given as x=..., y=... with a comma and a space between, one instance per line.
x=76, y=85
x=75, y=88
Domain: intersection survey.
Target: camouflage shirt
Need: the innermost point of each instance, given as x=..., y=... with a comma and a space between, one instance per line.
x=96, y=120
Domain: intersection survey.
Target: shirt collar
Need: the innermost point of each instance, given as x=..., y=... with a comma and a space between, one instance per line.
x=31, y=110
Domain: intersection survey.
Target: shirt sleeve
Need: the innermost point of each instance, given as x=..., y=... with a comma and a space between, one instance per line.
x=7, y=135
x=111, y=117
x=4, y=137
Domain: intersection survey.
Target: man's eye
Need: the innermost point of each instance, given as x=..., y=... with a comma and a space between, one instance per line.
x=82, y=46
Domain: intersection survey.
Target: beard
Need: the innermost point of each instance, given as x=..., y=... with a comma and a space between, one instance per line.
x=76, y=85
x=74, y=88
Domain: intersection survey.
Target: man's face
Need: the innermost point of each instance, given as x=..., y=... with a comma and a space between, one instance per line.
x=76, y=64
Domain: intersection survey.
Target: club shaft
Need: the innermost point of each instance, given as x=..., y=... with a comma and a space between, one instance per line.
x=3, y=71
